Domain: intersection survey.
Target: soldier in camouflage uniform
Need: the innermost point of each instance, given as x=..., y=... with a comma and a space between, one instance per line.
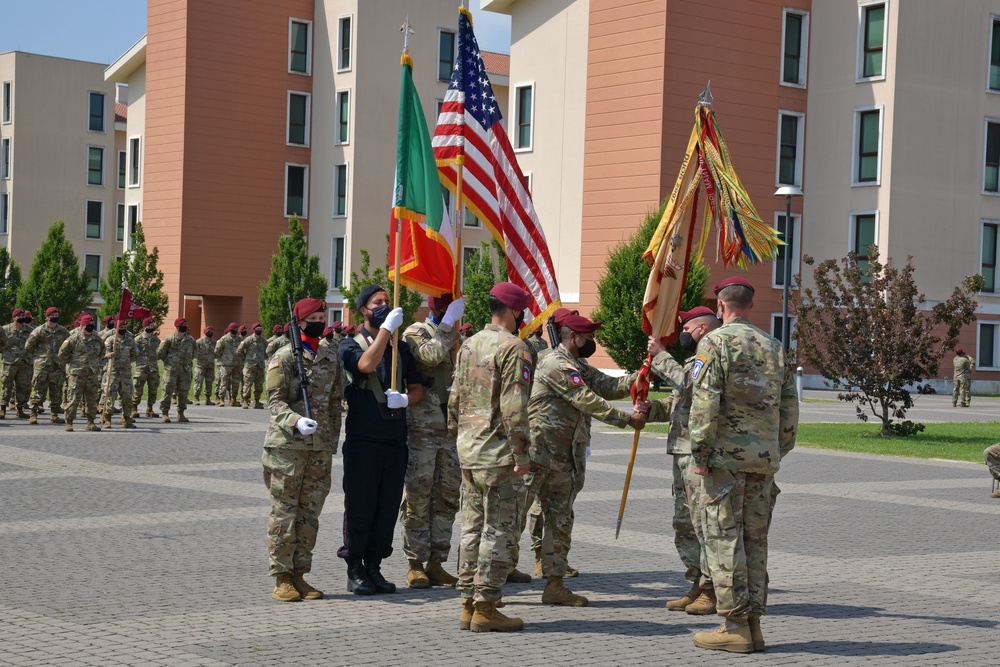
x=275, y=335
x=962, y=379
x=48, y=375
x=254, y=351
x=744, y=416
x=16, y=376
x=536, y=342
x=487, y=411
x=279, y=342
x=298, y=454
x=225, y=366
x=992, y=456
x=176, y=352
x=147, y=371
x=82, y=353
x=433, y=476
x=204, y=366
x=559, y=412
x=120, y=351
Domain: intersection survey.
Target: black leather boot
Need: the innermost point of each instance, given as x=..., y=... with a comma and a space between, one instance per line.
x=373, y=568
x=357, y=580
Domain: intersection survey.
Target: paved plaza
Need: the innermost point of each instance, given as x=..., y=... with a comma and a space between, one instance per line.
x=147, y=548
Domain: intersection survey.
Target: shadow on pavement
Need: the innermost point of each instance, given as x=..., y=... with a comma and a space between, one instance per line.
x=848, y=648
x=629, y=628
x=850, y=611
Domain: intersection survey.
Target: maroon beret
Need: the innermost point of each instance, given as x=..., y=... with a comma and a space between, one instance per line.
x=256, y=325
x=107, y=319
x=27, y=313
x=285, y=328
x=327, y=331
x=580, y=324
x=148, y=322
x=306, y=307
x=49, y=312
x=698, y=311
x=207, y=329
x=511, y=296
x=85, y=319
x=243, y=328
x=959, y=350
x=276, y=329
x=561, y=314
x=18, y=312
x=232, y=326
x=466, y=328
x=180, y=321
x=439, y=302
x=337, y=325
x=728, y=282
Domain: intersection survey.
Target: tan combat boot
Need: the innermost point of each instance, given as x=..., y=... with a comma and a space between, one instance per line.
x=284, y=590
x=149, y=411
x=517, y=577
x=996, y=494
x=91, y=426
x=704, y=605
x=755, y=633
x=556, y=593
x=55, y=418
x=486, y=618
x=69, y=424
x=107, y=422
x=181, y=418
x=165, y=418
x=3, y=411
x=128, y=423
x=416, y=577
x=733, y=636
x=244, y=405
x=683, y=601
x=304, y=589
x=33, y=419
x=538, y=562
x=257, y=405
x=20, y=412
x=438, y=576
x=468, y=607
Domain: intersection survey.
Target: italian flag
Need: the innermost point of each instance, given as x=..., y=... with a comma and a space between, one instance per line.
x=427, y=254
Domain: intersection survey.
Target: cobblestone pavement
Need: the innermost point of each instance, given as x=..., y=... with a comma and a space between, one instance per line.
x=147, y=548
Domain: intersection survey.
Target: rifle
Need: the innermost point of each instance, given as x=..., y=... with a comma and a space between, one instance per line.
x=553, y=336
x=293, y=328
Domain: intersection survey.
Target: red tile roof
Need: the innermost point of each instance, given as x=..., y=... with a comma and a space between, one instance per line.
x=121, y=112
x=496, y=63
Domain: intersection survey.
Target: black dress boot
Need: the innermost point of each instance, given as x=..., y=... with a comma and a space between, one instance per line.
x=357, y=580
x=373, y=568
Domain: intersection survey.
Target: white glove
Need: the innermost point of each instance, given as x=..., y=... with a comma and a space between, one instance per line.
x=393, y=320
x=588, y=452
x=454, y=312
x=396, y=400
x=306, y=426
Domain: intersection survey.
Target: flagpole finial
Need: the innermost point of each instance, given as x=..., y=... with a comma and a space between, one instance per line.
x=706, y=99
x=407, y=31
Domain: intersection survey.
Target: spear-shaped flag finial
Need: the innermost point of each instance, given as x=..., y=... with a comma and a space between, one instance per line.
x=706, y=99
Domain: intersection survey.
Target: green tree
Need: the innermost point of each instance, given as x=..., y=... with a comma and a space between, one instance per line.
x=482, y=272
x=139, y=272
x=10, y=283
x=293, y=272
x=56, y=279
x=866, y=332
x=620, y=293
x=409, y=300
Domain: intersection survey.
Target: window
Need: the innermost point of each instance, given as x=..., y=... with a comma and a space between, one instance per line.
x=295, y=190
x=5, y=158
x=6, y=101
x=343, y=116
x=120, y=224
x=340, y=190
x=133, y=221
x=778, y=272
x=92, y=269
x=527, y=181
x=298, y=46
x=991, y=172
x=794, y=49
x=95, y=220
x=4, y=212
x=864, y=231
x=469, y=257
x=95, y=165
x=337, y=262
x=868, y=131
x=96, y=112
x=446, y=54
x=122, y=169
x=344, y=50
x=469, y=219
x=298, y=119
x=133, y=161
x=791, y=126
x=987, y=353
x=523, y=114
x=988, y=267
x=334, y=315
x=994, y=82
x=778, y=328
x=872, y=46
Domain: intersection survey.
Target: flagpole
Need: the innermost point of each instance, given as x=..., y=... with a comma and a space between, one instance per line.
x=407, y=31
x=460, y=222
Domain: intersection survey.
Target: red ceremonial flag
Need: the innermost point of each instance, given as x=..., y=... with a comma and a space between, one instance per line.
x=470, y=132
x=130, y=310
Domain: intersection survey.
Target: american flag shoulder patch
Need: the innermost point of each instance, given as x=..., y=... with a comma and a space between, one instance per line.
x=274, y=363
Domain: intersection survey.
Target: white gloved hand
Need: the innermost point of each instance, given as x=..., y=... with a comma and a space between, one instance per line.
x=454, y=312
x=395, y=400
x=393, y=320
x=588, y=452
x=306, y=426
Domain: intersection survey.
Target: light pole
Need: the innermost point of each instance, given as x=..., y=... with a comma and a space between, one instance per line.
x=787, y=191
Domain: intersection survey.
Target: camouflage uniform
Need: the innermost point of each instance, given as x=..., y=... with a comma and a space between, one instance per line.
x=16, y=377
x=962, y=381
x=176, y=352
x=279, y=342
x=297, y=467
x=744, y=416
x=82, y=355
x=226, y=384
x=536, y=344
x=487, y=410
x=48, y=374
x=560, y=412
x=992, y=456
x=147, y=371
x=119, y=372
x=433, y=476
x=204, y=367
x=254, y=351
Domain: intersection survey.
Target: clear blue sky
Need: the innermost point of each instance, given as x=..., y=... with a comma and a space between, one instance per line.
x=102, y=30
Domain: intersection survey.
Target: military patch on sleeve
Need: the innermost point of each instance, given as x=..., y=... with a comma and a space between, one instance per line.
x=274, y=363
x=527, y=356
x=699, y=363
x=526, y=373
x=575, y=378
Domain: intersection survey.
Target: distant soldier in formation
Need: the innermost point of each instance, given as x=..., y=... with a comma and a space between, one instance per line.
x=16, y=376
x=465, y=331
x=275, y=334
x=329, y=338
x=992, y=456
x=536, y=342
x=278, y=342
x=963, y=379
x=204, y=366
x=176, y=352
x=226, y=385
x=253, y=349
x=147, y=370
x=120, y=351
x=48, y=373
x=82, y=353
x=433, y=476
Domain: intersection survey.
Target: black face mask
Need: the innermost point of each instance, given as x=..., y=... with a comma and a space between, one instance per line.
x=518, y=321
x=27, y=320
x=587, y=349
x=182, y=329
x=150, y=330
x=88, y=327
x=687, y=342
x=257, y=332
x=20, y=320
x=210, y=334
x=121, y=332
x=53, y=319
x=315, y=329
x=329, y=338
x=378, y=316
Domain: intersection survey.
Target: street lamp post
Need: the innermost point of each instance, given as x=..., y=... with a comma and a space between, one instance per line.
x=787, y=191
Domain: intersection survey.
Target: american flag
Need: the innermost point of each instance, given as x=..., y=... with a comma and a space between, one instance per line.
x=469, y=131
